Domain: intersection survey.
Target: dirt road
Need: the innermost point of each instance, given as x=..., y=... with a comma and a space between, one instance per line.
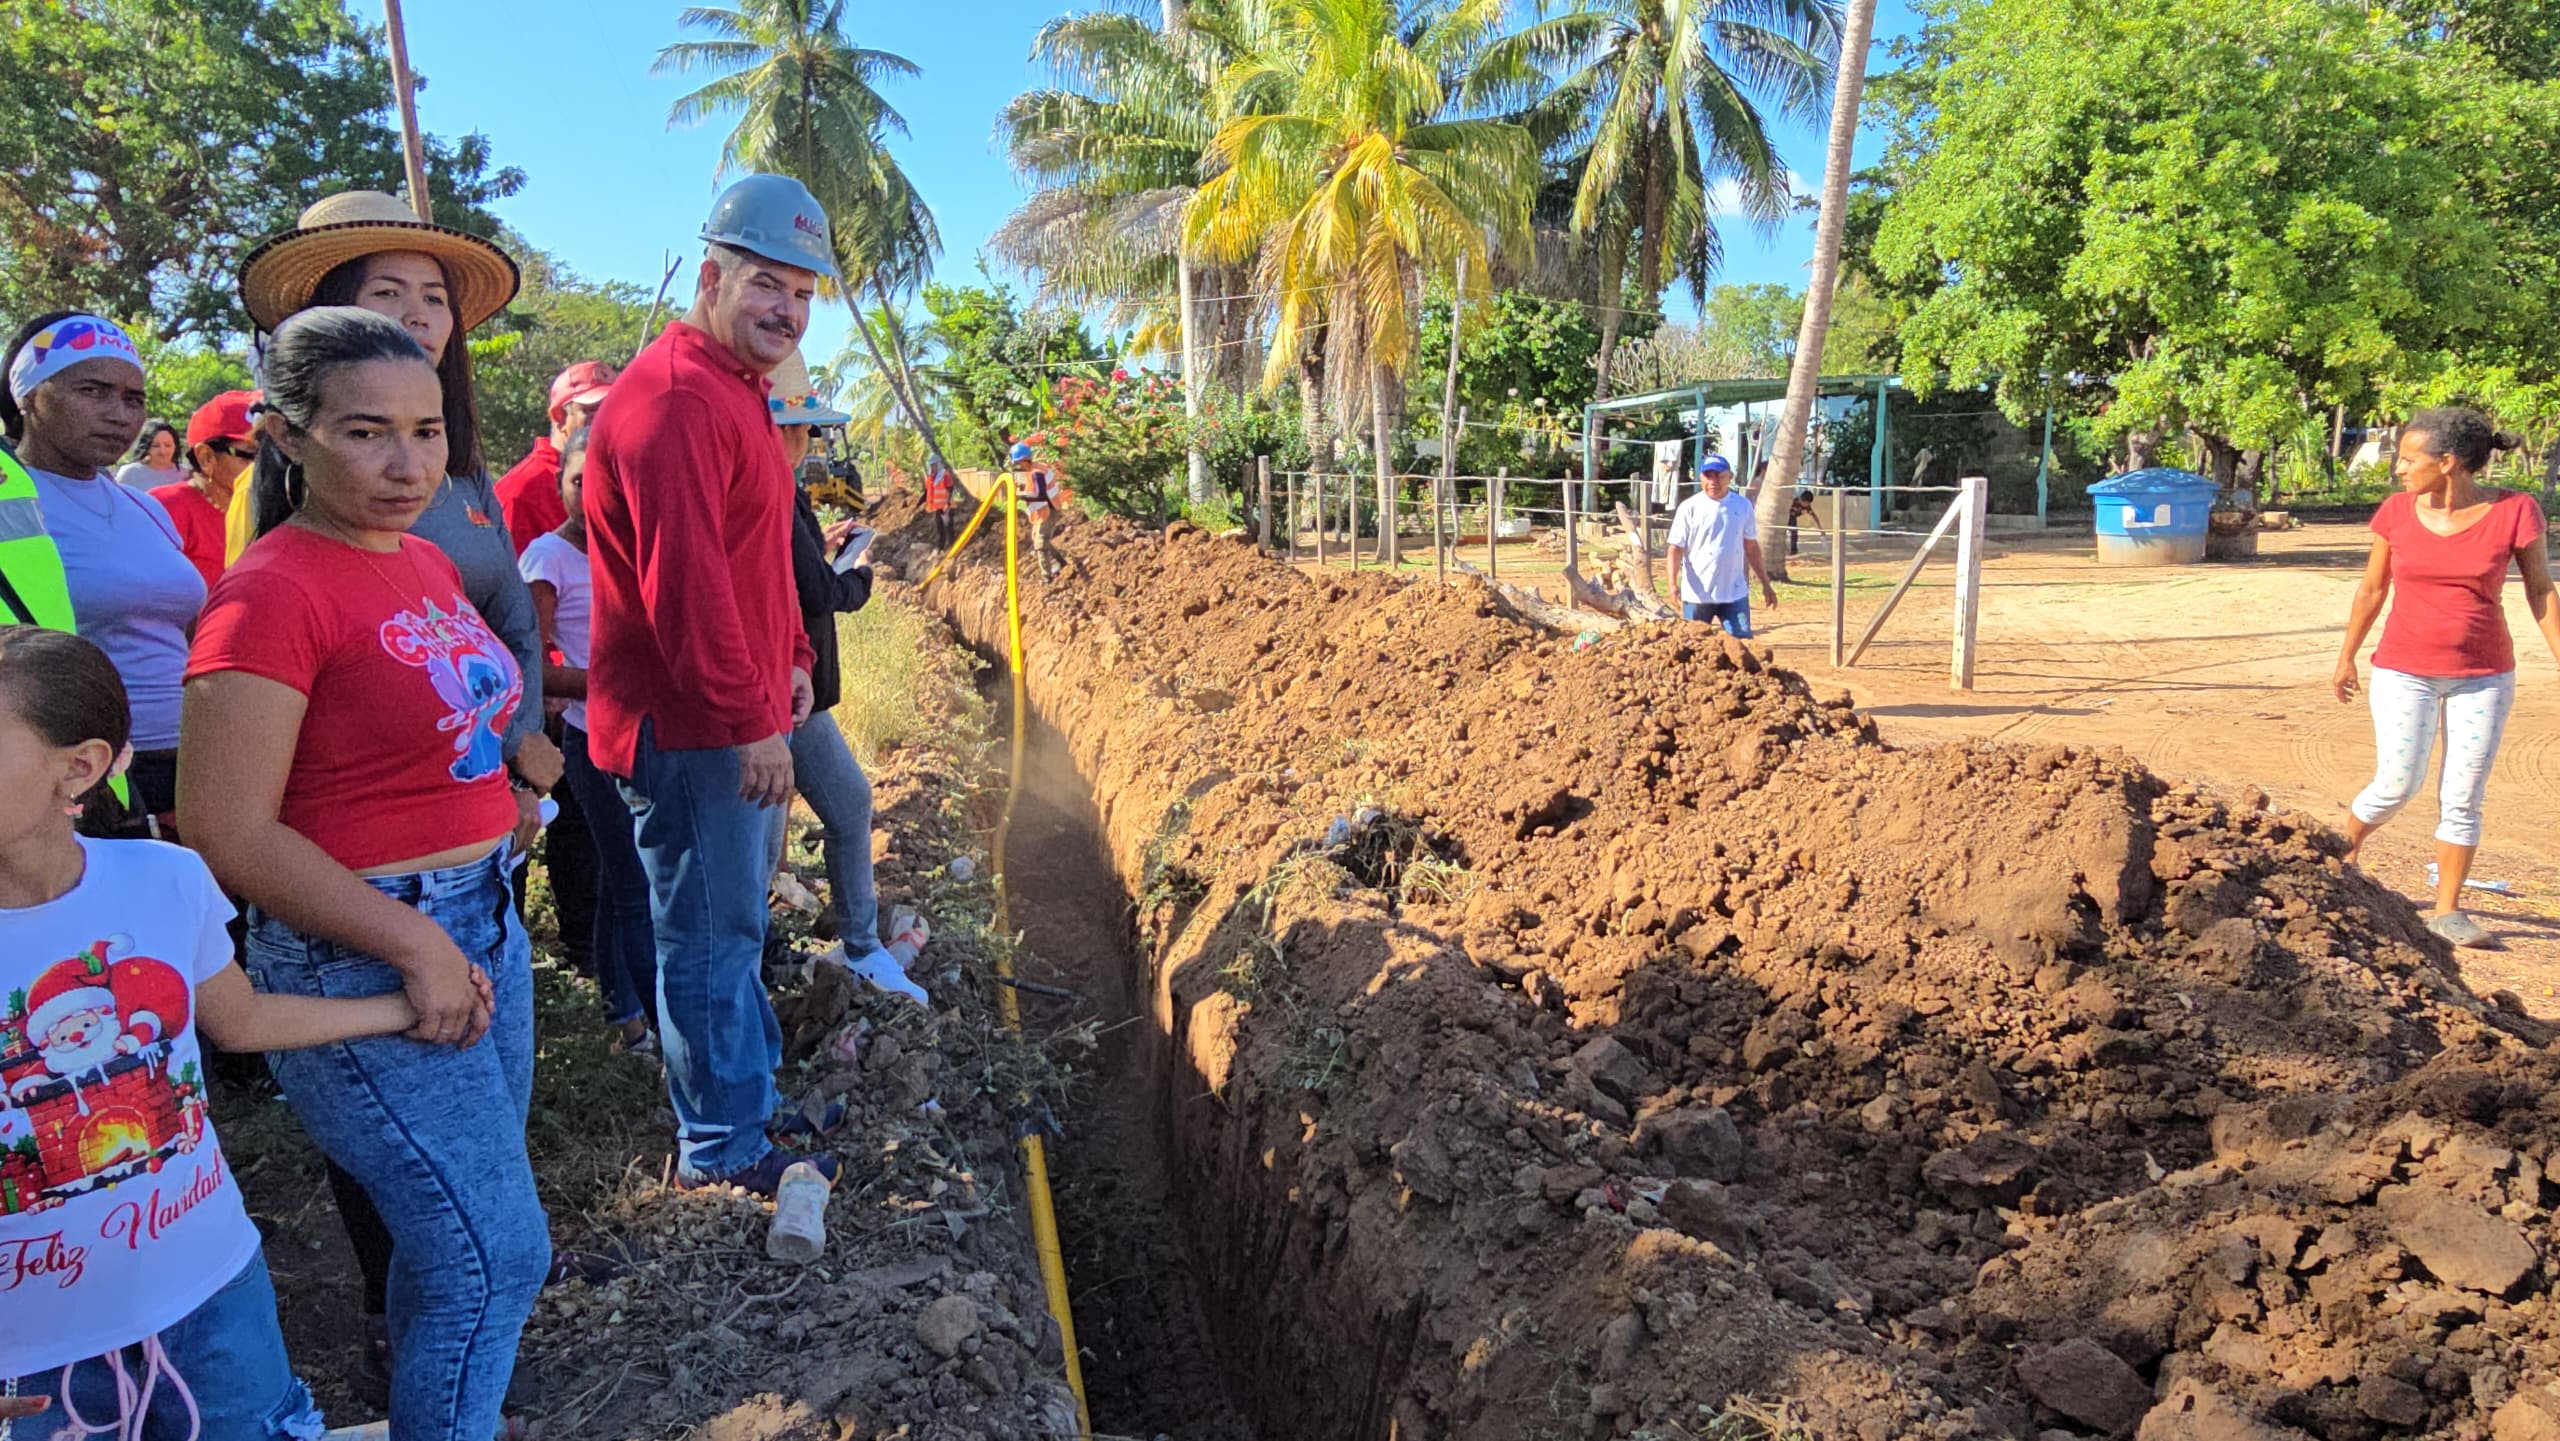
x=2218, y=673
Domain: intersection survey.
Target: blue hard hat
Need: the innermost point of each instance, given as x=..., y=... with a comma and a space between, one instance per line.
x=1018, y=454
x=1708, y=463
x=776, y=217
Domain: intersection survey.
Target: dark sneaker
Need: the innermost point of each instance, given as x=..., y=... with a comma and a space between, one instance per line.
x=765, y=1176
x=799, y=1125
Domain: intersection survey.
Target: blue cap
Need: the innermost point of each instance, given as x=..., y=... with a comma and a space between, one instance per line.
x=1708, y=463
x=1018, y=454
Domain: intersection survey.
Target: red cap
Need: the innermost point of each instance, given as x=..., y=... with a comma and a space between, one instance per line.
x=225, y=417
x=584, y=383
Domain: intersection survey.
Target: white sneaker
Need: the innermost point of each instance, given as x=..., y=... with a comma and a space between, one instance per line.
x=881, y=969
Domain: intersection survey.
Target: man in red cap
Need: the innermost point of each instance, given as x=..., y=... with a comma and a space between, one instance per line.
x=221, y=443
x=529, y=495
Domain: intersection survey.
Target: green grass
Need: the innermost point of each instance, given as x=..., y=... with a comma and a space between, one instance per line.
x=881, y=649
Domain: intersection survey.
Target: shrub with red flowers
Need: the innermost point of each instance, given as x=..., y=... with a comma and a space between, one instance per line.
x=1119, y=441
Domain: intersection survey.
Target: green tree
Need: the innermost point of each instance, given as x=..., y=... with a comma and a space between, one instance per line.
x=1346, y=177
x=145, y=144
x=1672, y=96
x=997, y=365
x=2244, y=211
x=556, y=320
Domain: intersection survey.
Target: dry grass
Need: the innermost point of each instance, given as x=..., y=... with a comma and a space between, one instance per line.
x=882, y=648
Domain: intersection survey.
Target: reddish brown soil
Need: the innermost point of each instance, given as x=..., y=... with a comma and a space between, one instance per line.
x=1724, y=1060
x=925, y=1319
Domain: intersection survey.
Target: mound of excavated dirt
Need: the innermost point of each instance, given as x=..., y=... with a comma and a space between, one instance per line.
x=1650, y=1043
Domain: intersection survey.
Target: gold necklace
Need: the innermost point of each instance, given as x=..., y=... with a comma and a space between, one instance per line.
x=322, y=525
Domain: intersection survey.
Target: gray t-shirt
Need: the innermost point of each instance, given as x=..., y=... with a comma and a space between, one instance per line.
x=134, y=593
x=465, y=523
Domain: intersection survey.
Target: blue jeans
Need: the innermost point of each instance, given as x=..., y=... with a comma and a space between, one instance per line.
x=228, y=1353
x=435, y=1134
x=626, y=950
x=1735, y=614
x=831, y=780
x=704, y=848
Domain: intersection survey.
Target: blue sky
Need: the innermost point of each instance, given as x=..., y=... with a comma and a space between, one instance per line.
x=610, y=189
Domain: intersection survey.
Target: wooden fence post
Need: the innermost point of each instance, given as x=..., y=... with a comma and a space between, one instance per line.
x=1975, y=502
x=1493, y=523
x=1262, y=505
x=1316, y=478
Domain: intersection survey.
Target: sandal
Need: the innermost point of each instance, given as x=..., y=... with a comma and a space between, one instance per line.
x=2463, y=931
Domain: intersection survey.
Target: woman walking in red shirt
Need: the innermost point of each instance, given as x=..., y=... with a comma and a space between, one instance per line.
x=345, y=773
x=2445, y=542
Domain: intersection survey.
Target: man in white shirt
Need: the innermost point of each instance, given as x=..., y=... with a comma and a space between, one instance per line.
x=1715, y=551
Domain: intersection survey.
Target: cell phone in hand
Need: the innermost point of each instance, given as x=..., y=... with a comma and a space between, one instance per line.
x=856, y=543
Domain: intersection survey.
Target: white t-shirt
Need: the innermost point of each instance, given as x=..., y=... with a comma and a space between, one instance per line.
x=564, y=567
x=118, y=1217
x=1710, y=534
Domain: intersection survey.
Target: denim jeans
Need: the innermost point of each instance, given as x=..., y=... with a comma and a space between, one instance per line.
x=228, y=1354
x=704, y=848
x=436, y=1136
x=831, y=780
x=1735, y=614
x=626, y=951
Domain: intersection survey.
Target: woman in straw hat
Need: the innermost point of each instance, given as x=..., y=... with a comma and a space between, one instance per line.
x=822, y=766
x=369, y=250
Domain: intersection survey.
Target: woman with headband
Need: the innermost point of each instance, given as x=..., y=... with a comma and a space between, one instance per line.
x=73, y=406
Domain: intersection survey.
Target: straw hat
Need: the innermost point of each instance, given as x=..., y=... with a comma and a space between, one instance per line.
x=794, y=401
x=279, y=277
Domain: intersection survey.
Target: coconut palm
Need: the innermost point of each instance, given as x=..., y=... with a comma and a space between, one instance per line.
x=1349, y=170
x=807, y=104
x=1786, y=456
x=1662, y=106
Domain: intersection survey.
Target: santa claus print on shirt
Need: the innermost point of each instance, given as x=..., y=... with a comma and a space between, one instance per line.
x=88, y=1095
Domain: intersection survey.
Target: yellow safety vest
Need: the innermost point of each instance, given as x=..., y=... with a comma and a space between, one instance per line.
x=32, y=588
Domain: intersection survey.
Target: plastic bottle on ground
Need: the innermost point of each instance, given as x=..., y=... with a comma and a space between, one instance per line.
x=799, y=1233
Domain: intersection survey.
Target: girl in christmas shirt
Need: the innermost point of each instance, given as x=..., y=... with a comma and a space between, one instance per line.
x=137, y=1298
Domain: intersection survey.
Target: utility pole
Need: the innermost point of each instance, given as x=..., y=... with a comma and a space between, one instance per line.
x=404, y=89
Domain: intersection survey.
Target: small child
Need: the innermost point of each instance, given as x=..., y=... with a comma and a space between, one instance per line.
x=124, y=1248
x=625, y=941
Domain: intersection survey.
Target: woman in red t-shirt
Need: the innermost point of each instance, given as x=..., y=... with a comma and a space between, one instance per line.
x=346, y=717
x=2445, y=542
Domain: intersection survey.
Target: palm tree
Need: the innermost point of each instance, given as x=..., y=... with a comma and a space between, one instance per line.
x=1663, y=102
x=1786, y=457
x=808, y=105
x=1112, y=152
x=1348, y=170
x=806, y=97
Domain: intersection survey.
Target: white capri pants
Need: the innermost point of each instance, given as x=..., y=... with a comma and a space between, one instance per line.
x=2404, y=736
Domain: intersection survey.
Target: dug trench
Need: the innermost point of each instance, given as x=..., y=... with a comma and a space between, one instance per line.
x=1620, y=1040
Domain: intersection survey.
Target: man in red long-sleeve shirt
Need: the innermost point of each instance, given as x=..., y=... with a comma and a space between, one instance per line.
x=698, y=669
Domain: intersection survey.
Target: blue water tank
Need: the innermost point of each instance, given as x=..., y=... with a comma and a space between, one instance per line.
x=2153, y=517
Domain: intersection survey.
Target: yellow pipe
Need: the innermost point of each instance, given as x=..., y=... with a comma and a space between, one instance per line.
x=1035, y=1157
x=971, y=530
